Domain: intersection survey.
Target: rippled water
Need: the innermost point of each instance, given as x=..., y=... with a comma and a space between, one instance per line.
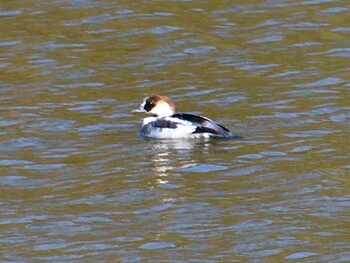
x=78, y=183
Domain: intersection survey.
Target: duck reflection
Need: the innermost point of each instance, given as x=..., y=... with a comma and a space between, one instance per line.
x=170, y=155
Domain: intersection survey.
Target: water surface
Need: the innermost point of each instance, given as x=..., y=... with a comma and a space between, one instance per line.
x=78, y=183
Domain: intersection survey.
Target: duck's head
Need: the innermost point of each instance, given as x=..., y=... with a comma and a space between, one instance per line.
x=158, y=105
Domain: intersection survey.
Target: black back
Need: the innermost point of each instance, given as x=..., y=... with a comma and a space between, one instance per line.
x=204, y=125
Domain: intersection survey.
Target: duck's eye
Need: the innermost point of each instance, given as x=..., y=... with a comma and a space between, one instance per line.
x=149, y=105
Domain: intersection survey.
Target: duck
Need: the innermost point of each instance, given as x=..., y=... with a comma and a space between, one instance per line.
x=164, y=123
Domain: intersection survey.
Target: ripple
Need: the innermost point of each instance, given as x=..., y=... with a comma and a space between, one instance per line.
x=245, y=171
x=91, y=247
x=20, y=143
x=97, y=19
x=252, y=156
x=157, y=245
x=13, y=162
x=267, y=39
x=9, y=123
x=164, y=29
x=300, y=149
x=273, y=153
x=322, y=83
x=44, y=167
x=128, y=239
x=251, y=224
x=341, y=30
x=156, y=208
x=9, y=43
x=10, y=13
x=124, y=11
x=55, y=46
x=252, y=67
x=311, y=133
x=51, y=246
x=267, y=252
x=202, y=168
x=334, y=10
x=97, y=127
x=300, y=255
x=54, y=125
x=200, y=50
x=307, y=44
x=22, y=182
x=340, y=118
x=339, y=52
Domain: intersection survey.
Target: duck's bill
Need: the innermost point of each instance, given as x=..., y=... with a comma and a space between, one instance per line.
x=138, y=110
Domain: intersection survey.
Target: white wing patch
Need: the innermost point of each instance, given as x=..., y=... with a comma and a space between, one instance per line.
x=167, y=127
x=183, y=129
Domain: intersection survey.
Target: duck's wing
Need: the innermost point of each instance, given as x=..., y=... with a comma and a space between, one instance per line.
x=167, y=127
x=204, y=125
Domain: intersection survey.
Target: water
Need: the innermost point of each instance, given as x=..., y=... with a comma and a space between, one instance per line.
x=78, y=183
